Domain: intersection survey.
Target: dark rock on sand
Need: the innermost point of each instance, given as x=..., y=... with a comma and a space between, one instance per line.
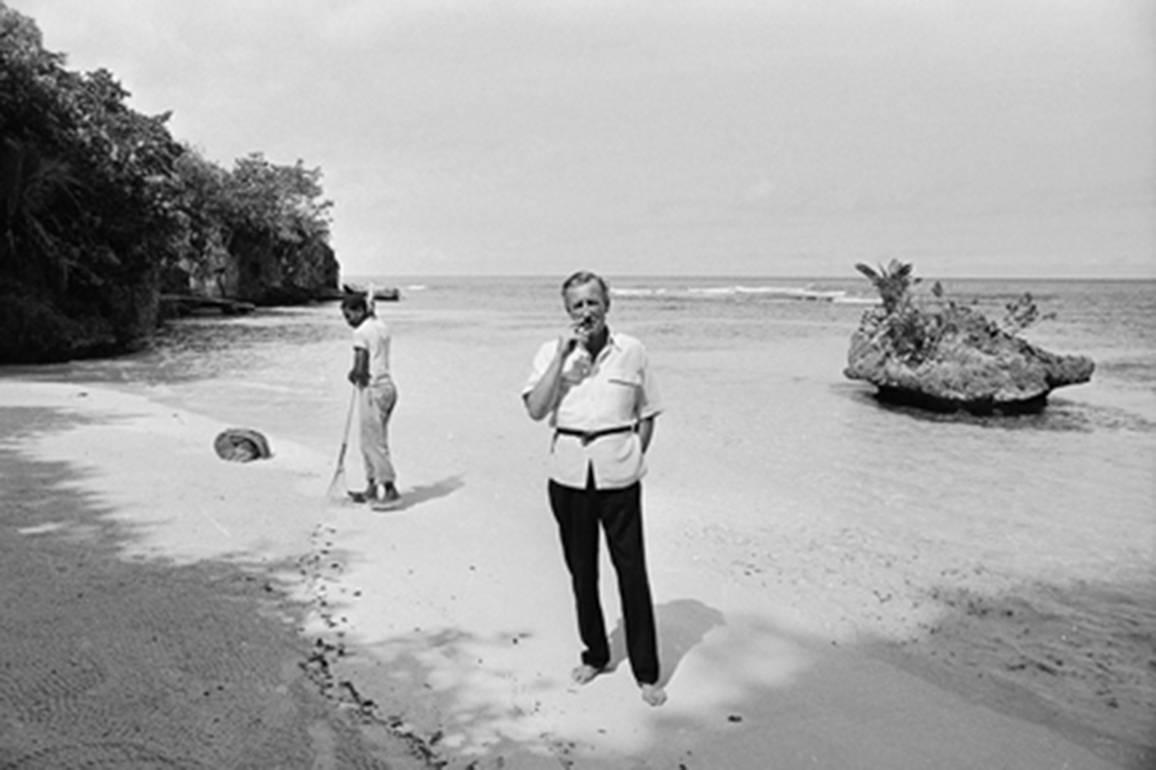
x=241, y=445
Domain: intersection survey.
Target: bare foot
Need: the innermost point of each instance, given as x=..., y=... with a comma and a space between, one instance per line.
x=584, y=674
x=653, y=694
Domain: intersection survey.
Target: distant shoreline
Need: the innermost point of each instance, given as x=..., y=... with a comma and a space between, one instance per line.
x=614, y=278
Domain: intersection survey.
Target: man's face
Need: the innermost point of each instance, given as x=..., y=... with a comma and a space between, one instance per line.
x=587, y=307
x=353, y=316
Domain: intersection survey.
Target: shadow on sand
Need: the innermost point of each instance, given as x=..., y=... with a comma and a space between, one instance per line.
x=113, y=661
x=760, y=694
x=423, y=493
x=683, y=624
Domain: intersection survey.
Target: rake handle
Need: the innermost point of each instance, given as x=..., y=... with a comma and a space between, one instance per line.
x=345, y=433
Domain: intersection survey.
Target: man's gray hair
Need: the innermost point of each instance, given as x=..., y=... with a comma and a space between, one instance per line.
x=583, y=277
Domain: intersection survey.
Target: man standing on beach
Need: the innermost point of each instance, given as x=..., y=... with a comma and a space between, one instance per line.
x=598, y=391
x=378, y=395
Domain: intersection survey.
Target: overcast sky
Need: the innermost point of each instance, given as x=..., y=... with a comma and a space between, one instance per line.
x=726, y=137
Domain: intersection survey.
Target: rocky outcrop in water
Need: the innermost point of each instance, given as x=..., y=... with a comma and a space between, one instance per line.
x=261, y=270
x=268, y=272
x=943, y=356
x=985, y=373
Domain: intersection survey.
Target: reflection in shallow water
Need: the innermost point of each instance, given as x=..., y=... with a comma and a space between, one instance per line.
x=1059, y=415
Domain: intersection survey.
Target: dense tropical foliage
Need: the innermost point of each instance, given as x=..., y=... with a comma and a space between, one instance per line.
x=101, y=208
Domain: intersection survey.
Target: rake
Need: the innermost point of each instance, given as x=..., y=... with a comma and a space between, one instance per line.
x=337, y=487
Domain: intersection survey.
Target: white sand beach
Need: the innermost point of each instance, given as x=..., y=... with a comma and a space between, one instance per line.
x=451, y=621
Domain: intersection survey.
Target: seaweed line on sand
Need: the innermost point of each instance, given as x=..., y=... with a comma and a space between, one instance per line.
x=319, y=568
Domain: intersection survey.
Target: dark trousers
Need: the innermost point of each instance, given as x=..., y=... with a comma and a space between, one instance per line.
x=580, y=513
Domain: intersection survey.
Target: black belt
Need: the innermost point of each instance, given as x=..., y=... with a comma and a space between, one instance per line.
x=589, y=435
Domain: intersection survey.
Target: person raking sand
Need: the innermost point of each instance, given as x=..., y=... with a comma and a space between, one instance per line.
x=377, y=395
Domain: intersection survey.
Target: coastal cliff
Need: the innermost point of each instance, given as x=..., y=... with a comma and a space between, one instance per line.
x=101, y=210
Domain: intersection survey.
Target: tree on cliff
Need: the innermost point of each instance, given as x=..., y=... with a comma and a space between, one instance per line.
x=280, y=230
x=98, y=203
x=84, y=205
x=258, y=232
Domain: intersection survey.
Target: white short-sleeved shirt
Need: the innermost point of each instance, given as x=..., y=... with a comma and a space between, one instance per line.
x=615, y=389
x=372, y=335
